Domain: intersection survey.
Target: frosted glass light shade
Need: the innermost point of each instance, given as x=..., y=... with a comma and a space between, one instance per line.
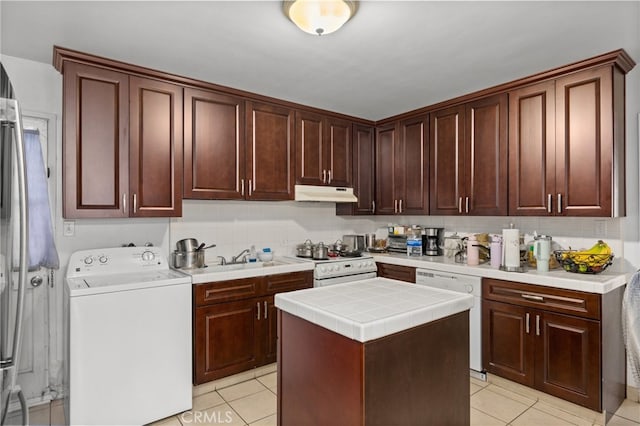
x=319, y=16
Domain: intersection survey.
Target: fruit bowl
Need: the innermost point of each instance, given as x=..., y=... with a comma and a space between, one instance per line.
x=581, y=263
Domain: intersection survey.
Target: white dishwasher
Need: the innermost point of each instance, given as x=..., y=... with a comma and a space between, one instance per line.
x=462, y=284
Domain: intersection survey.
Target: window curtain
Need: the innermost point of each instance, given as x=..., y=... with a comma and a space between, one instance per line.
x=42, y=247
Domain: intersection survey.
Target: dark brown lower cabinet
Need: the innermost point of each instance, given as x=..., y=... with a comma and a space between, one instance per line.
x=397, y=272
x=235, y=323
x=418, y=376
x=555, y=341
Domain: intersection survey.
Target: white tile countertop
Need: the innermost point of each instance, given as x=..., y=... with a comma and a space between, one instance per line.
x=279, y=265
x=618, y=274
x=369, y=309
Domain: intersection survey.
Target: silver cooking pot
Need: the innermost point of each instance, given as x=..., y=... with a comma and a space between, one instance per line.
x=188, y=259
x=305, y=249
x=320, y=251
x=187, y=244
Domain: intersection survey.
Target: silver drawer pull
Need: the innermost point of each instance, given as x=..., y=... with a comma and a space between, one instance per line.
x=258, y=317
x=537, y=325
x=532, y=297
x=265, y=310
x=526, y=323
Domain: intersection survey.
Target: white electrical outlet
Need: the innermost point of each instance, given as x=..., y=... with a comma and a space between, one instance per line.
x=69, y=228
x=601, y=228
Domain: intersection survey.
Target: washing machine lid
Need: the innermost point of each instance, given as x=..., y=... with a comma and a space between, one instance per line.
x=111, y=283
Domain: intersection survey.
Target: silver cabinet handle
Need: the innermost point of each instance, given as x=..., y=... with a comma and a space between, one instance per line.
x=537, y=325
x=373, y=207
x=460, y=205
x=242, y=187
x=559, y=203
x=135, y=203
x=395, y=206
x=258, y=304
x=124, y=202
x=250, y=188
x=324, y=176
x=532, y=297
x=526, y=322
x=466, y=204
x=329, y=176
x=549, y=200
x=265, y=310
x=400, y=210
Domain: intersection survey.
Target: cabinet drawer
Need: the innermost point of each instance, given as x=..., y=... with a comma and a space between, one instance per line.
x=288, y=282
x=570, y=302
x=226, y=291
x=397, y=272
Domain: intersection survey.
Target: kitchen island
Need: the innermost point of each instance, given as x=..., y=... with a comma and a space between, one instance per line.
x=373, y=352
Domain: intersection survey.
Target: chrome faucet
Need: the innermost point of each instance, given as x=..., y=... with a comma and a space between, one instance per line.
x=223, y=261
x=244, y=252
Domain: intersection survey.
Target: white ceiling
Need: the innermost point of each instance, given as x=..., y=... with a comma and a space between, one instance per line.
x=394, y=56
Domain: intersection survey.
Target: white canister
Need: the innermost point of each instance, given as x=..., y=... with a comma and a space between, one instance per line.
x=511, y=249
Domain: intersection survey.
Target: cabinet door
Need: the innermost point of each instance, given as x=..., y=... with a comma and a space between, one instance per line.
x=214, y=145
x=155, y=148
x=270, y=155
x=226, y=339
x=270, y=337
x=397, y=272
x=507, y=341
x=364, y=173
x=337, y=146
x=446, y=161
x=95, y=150
x=568, y=358
x=532, y=150
x=311, y=166
x=486, y=157
x=584, y=143
x=413, y=170
x=386, y=146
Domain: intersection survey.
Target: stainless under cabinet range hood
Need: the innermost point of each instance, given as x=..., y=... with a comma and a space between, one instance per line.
x=324, y=193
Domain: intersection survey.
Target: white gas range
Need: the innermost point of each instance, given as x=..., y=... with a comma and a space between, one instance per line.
x=337, y=270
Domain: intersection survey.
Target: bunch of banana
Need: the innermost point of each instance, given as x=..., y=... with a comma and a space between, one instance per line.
x=597, y=255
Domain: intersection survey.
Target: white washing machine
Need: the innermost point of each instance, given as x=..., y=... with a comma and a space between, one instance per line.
x=128, y=337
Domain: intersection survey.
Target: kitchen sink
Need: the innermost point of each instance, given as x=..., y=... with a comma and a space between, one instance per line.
x=243, y=266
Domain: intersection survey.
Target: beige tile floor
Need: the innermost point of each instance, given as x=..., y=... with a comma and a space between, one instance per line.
x=250, y=399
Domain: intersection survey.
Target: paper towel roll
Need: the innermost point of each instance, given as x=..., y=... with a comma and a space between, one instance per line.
x=511, y=248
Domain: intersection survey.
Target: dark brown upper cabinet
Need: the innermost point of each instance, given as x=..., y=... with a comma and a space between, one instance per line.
x=110, y=120
x=323, y=150
x=566, y=146
x=214, y=145
x=364, y=175
x=402, y=168
x=468, y=158
x=269, y=162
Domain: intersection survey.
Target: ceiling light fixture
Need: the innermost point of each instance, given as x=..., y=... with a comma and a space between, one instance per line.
x=319, y=16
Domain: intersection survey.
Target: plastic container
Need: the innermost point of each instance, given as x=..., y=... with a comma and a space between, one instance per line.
x=414, y=242
x=473, y=254
x=253, y=256
x=266, y=255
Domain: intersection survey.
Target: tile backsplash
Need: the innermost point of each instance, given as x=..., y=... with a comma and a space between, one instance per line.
x=236, y=225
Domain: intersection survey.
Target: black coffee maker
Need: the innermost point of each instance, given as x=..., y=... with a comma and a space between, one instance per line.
x=432, y=241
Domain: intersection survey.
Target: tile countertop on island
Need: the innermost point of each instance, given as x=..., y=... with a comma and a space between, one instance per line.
x=618, y=274
x=279, y=265
x=373, y=308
